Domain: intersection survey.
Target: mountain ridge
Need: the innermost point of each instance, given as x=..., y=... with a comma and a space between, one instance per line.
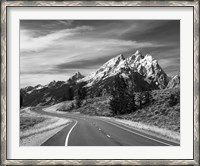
x=143, y=71
x=146, y=66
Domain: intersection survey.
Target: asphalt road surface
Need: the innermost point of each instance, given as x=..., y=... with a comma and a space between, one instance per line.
x=93, y=131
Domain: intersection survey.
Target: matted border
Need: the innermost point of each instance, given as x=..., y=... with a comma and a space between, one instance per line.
x=6, y=4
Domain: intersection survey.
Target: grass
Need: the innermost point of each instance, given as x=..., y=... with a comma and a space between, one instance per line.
x=29, y=119
x=28, y=122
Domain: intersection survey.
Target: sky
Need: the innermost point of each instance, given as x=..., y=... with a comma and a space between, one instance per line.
x=56, y=49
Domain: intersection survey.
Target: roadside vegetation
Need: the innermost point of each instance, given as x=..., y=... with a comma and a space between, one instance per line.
x=163, y=111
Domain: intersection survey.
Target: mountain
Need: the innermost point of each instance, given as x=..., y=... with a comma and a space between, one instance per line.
x=28, y=88
x=140, y=72
x=174, y=82
x=148, y=67
x=143, y=71
x=52, y=93
x=77, y=76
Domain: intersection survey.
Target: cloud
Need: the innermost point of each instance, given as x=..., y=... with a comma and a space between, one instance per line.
x=47, y=25
x=28, y=43
x=167, y=31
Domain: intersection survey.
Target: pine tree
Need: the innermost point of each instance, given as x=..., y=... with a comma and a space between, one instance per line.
x=64, y=98
x=120, y=102
x=78, y=98
x=70, y=93
x=139, y=98
x=173, y=100
x=148, y=97
x=131, y=106
x=81, y=94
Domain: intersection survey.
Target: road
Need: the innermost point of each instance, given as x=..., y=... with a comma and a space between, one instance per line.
x=93, y=131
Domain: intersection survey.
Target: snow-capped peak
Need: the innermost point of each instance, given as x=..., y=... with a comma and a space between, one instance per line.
x=137, y=52
x=146, y=66
x=135, y=57
x=114, y=61
x=109, y=68
x=149, y=58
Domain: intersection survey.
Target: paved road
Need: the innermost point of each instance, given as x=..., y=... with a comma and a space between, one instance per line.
x=94, y=131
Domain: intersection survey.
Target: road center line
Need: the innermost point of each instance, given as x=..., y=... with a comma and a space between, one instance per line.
x=67, y=138
x=138, y=133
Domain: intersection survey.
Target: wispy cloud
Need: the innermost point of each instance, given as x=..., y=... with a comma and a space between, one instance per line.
x=29, y=43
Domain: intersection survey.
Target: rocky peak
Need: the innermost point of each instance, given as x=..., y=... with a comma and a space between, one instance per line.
x=52, y=83
x=114, y=61
x=137, y=56
x=37, y=86
x=148, y=58
x=28, y=88
x=137, y=52
x=77, y=76
x=146, y=66
x=111, y=65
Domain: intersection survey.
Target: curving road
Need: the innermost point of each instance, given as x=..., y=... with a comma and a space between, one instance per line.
x=94, y=131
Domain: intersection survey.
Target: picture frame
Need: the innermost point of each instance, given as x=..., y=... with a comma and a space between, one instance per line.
x=4, y=80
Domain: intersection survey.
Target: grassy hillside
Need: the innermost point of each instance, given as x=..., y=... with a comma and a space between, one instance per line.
x=163, y=111
x=29, y=119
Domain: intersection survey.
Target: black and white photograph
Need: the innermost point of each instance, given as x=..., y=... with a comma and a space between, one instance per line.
x=99, y=82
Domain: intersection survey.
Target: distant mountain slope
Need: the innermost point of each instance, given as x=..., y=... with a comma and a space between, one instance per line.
x=52, y=93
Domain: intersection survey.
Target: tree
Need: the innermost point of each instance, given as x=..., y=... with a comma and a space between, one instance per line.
x=122, y=98
x=130, y=101
x=117, y=94
x=70, y=93
x=139, y=99
x=78, y=98
x=64, y=98
x=147, y=97
x=173, y=100
x=83, y=93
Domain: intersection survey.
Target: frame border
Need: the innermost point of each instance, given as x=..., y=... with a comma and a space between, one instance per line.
x=68, y=3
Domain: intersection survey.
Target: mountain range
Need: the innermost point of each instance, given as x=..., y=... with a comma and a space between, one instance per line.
x=144, y=72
